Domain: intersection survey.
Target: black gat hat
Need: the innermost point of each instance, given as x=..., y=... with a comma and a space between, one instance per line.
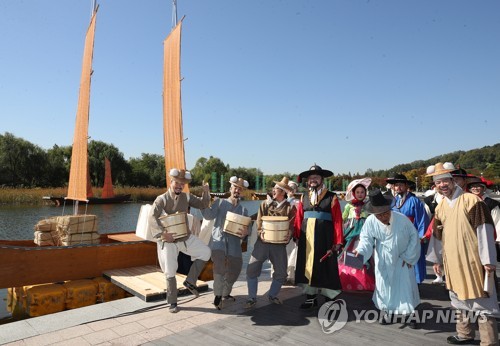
x=378, y=203
x=315, y=169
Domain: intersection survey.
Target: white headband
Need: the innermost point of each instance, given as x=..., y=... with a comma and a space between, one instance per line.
x=441, y=176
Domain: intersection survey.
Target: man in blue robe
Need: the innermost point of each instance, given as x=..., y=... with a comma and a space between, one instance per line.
x=397, y=250
x=410, y=205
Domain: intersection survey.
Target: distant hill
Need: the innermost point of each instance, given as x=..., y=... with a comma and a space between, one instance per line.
x=485, y=160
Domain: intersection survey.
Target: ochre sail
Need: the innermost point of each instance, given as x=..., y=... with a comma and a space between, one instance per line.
x=172, y=110
x=77, y=188
x=107, y=189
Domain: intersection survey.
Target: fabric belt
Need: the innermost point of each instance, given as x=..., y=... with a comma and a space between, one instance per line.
x=322, y=215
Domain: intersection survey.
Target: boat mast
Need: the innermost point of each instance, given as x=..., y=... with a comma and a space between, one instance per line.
x=93, y=4
x=174, y=13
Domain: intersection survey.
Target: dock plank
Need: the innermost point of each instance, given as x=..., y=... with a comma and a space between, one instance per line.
x=148, y=282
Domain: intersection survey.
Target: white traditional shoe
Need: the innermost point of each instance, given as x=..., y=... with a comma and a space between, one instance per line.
x=438, y=280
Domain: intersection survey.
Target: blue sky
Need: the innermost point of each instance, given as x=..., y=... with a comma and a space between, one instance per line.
x=276, y=85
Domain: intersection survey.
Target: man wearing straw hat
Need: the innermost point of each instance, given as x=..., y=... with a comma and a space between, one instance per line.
x=226, y=247
x=275, y=252
x=465, y=245
x=318, y=228
x=171, y=202
x=397, y=249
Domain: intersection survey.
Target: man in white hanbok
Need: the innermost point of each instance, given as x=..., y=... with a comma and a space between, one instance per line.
x=397, y=250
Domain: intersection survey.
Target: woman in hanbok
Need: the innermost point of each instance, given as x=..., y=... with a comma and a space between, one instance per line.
x=354, y=217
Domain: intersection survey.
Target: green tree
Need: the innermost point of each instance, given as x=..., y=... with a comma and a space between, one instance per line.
x=23, y=163
x=204, y=167
x=59, y=159
x=148, y=170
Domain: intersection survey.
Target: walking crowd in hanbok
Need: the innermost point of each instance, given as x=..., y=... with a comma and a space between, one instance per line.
x=380, y=242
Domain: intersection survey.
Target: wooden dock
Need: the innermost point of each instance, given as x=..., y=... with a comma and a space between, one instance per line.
x=132, y=321
x=148, y=282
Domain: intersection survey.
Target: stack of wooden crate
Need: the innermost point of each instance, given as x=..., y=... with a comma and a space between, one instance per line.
x=46, y=233
x=77, y=229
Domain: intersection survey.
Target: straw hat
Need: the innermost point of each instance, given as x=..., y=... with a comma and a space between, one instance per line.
x=315, y=169
x=239, y=182
x=283, y=184
x=378, y=203
x=180, y=175
x=440, y=170
x=363, y=182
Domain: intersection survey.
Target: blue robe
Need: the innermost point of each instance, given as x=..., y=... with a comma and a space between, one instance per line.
x=414, y=209
x=396, y=290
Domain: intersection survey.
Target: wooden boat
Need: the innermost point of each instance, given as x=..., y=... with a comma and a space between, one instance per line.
x=58, y=201
x=107, y=196
x=23, y=263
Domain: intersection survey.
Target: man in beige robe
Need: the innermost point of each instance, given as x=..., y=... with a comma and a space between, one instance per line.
x=464, y=244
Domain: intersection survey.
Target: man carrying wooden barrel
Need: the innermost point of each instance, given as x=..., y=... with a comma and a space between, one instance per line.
x=226, y=245
x=171, y=202
x=268, y=246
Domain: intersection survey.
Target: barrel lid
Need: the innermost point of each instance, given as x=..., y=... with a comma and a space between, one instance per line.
x=274, y=218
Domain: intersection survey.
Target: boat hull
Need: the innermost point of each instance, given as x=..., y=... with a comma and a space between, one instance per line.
x=24, y=263
x=92, y=200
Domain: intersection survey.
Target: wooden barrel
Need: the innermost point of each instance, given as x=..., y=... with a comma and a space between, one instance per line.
x=234, y=222
x=175, y=224
x=275, y=229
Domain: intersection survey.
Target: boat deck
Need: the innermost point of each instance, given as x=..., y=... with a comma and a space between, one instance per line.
x=132, y=321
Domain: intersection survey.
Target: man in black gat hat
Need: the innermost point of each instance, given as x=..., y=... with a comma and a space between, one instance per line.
x=318, y=228
x=411, y=206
